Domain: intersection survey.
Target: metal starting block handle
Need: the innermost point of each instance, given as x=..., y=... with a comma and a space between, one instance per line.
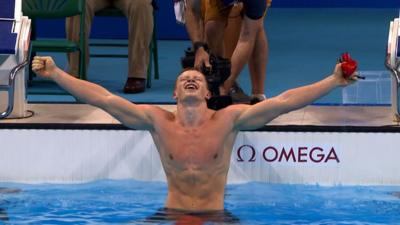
x=10, y=88
x=392, y=63
x=14, y=46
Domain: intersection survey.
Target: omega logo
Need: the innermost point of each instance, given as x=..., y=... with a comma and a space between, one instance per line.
x=293, y=154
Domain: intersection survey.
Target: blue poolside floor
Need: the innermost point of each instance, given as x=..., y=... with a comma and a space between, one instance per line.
x=304, y=46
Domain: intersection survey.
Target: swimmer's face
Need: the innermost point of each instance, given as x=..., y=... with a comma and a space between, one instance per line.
x=191, y=83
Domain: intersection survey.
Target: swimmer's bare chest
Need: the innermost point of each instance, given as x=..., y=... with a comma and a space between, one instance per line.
x=193, y=148
x=196, y=162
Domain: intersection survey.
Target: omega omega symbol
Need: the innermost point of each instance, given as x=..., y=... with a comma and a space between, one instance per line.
x=246, y=148
x=300, y=154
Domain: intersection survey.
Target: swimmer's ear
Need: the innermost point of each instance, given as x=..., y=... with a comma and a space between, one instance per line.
x=174, y=95
x=208, y=96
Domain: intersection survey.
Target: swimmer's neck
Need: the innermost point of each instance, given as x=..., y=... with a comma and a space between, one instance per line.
x=192, y=114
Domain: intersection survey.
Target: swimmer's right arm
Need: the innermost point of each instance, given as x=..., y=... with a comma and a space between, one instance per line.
x=131, y=115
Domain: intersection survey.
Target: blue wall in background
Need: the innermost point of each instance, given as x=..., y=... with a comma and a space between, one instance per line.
x=336, y=3
x=167, y=28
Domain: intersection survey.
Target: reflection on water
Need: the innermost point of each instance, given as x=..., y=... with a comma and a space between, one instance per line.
x=3, y=213
x=192, y=218
x=397, y=194
x=4, y=203
x=4, y=190
x=135, y=202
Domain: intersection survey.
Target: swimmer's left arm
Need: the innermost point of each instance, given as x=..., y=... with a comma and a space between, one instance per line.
x=256, y=116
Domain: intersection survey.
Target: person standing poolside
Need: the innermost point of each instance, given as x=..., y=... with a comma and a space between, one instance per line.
x=139, y=14
x=194, y=142
x=233, y=30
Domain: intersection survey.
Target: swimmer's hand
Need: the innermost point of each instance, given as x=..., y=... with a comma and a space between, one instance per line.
x=44, y=66
x=341, y=78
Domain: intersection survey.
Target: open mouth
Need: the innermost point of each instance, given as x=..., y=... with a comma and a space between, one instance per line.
x=191, y=86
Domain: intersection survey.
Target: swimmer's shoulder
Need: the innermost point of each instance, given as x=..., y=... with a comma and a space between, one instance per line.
x=161, y=112
x=232, y=110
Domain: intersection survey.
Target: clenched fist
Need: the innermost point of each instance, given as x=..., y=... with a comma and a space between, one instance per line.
x=44, y=66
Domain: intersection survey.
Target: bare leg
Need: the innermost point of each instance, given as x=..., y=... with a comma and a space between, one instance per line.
x=257, y=63
x=231, y=37
x=244, y=48
x=214, y=36
x=232, y=31
x=258, y=58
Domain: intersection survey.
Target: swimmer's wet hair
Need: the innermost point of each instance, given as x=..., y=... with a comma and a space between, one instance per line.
x=189, y=69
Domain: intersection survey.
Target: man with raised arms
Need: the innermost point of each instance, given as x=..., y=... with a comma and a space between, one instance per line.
x=194, y=142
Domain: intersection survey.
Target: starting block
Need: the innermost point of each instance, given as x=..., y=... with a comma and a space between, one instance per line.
x=392, y=63
x=14, y=51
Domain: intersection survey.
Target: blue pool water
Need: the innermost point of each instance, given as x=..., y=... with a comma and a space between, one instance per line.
x=130, y=202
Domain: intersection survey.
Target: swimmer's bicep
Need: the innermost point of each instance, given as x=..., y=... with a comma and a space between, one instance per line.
x=130, y=114
x=258, y=115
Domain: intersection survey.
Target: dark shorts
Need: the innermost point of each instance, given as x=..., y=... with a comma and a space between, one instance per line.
x=187, y=217
x=254, y=9
x=220, y=9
